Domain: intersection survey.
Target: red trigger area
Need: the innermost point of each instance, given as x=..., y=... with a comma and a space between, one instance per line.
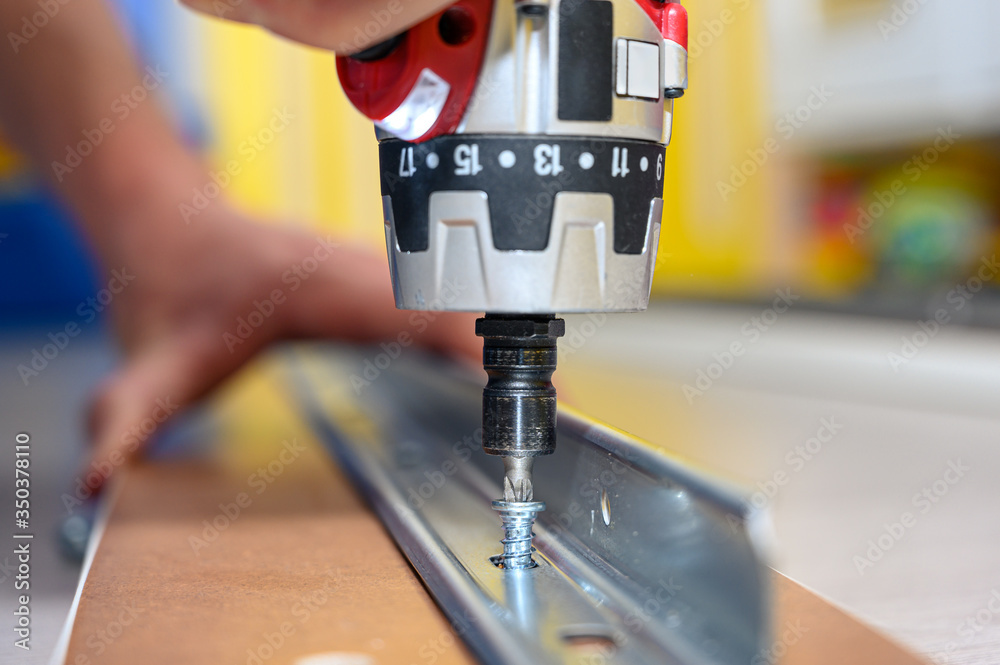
x=423, y=86
x=670, y=18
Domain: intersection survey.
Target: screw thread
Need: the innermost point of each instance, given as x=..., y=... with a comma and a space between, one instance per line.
x=517, y=519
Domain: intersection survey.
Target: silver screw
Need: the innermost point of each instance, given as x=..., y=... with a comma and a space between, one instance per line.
x=517, y=518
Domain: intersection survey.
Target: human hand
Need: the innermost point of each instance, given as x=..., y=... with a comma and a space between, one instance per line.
x=187, y=289
x=178, y=316
x=344, y=26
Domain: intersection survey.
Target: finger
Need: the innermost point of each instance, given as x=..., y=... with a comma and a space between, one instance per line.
x=345, y=26
x=155, y=385
x=350, y=297
x=454, y=334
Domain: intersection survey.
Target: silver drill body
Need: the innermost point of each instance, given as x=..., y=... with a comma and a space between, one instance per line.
x=522, y=170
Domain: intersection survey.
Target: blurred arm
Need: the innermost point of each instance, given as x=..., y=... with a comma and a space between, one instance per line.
x=71, y=77
x=69, y=98
x=76, y=75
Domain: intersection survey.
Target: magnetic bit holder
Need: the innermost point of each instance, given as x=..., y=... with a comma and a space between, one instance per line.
x=519, y=417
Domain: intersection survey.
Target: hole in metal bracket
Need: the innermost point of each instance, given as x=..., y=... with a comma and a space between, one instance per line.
x=589, y=641
x=497, y=561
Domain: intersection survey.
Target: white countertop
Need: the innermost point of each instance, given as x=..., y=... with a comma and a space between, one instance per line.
x=932, y=422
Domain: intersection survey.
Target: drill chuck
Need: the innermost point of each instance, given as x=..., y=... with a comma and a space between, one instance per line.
x=519, y=401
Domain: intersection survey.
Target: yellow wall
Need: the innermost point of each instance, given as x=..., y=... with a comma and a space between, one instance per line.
x=709, y=245
x=10, y=162
x=322, y=169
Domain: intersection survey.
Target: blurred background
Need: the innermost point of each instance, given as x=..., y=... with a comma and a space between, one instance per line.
x=806, y=124
x=843, y=152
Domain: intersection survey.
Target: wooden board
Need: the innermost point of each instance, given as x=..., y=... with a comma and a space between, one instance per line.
x=303, y=568
x=205, y=567
x=810, y=631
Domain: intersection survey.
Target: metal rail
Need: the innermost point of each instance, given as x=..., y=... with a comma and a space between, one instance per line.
x=639, y=559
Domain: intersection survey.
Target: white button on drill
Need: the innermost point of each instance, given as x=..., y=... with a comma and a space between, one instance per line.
x=638, y=69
